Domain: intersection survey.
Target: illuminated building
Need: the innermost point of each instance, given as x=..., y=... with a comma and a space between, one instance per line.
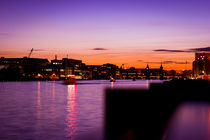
x=104, y=71
x=201, y=65
x=92, y=71
x=21, y=68
x=146, y=73
x=76, y=66
x=56, y=61
x=107, y=70
x=64, y=68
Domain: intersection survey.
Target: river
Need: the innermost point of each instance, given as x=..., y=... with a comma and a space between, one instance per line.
x=50, y=110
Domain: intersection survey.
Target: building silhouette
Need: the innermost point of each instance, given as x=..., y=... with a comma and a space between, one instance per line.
x=143, y=73
x=21, y=68
x=201, y=65
x=161, y=73
x=60, y=69
x=147, y=72
x=57, y=69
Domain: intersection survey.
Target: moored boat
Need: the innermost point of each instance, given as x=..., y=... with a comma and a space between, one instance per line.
x=71, y=80
x=112, y=79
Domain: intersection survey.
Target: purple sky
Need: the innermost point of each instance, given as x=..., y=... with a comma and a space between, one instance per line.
x=126, y=30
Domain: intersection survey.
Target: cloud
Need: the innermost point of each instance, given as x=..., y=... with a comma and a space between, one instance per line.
x=3, y=53
x=168, y=62
x=104, y=54
x=164, y=62
x=175, y=62
x=38, y=50
x=205, y=49
x=11, y=53
x=99, y=49
x=153, y=62
x=140, y=60
x=166, y=50
x=182, y=62
x=4, y=35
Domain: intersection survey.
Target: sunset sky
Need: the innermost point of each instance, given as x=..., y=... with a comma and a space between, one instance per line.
x=130, y=32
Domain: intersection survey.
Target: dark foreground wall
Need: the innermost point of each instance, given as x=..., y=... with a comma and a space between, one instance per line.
x=143, y=114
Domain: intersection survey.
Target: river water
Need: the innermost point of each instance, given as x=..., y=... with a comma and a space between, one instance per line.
x=50, y=110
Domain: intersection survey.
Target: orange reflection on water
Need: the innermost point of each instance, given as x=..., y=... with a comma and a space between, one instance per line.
x=38, y=100
x=38, y=123
x=112, y=85
x=72, y=111
x=53, y=105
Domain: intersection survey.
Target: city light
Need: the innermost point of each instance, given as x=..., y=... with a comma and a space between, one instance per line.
x=41, y=69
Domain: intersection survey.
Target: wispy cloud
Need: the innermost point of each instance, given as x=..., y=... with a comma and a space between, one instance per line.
x=168, y=62
x=139, y=60
x=38, y=50
x=99, y=49
x=183, y=62
x=166, y=50
x=175, y=62
x=4, y=34
x=11, y=53
x=204, y=49
x=105, y=54
x=153, y=62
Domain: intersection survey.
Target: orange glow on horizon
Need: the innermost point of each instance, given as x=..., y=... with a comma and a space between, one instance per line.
x=130, y=59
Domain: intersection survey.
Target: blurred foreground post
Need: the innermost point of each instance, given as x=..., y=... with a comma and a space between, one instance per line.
x=143, y=114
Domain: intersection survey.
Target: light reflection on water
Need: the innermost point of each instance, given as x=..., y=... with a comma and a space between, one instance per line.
x=45, y=110
x=38, y=124
x=72, y=112
x=38, y=101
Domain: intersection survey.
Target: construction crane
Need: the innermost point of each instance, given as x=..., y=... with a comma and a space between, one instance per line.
x=30, y=53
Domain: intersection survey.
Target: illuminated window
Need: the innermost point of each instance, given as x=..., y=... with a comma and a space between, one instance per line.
x=48, y=70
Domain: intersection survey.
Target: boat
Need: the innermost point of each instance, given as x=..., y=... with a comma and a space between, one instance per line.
x=70, y=80
x=112, y=79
